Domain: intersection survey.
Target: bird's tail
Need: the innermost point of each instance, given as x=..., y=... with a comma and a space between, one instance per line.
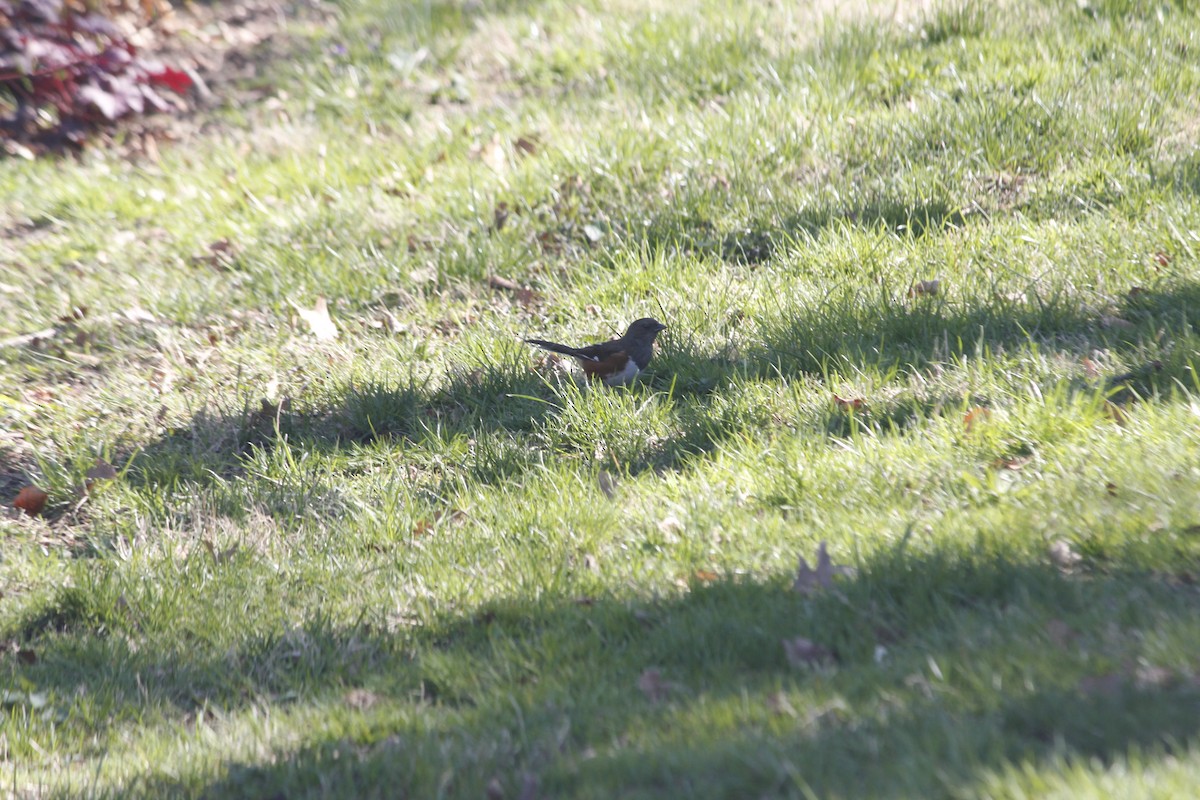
x=554, y=347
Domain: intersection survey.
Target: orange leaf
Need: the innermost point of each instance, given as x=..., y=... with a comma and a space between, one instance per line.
x=705, y=576
x=31, y=500
x=1162, y=259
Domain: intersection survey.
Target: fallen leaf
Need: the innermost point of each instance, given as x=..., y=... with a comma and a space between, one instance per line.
x=27, y=657
x=705, y=576
x=31, y=500
x=803, y=652
x=653, y=685
x=422, y=528
x=1162, y=259
x=849, y=403
x=1111, y=488
x=526, y=145
x=925, y=288
x=524, y=296
x=1062, y=555
x=810, y=581
x=318, y=320
x=976, y=416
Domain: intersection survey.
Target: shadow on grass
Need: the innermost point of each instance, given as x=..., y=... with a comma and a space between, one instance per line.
x=498, y=420
x=548, y=687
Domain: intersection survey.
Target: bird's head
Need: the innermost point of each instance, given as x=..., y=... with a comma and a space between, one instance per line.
x=645, y=328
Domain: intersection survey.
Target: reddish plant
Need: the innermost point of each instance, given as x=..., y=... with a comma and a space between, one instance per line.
x=63, y=73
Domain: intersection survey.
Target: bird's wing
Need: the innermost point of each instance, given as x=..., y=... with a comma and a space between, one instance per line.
x=602, y=368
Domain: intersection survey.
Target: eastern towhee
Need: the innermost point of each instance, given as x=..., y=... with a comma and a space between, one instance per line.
x=618, y=362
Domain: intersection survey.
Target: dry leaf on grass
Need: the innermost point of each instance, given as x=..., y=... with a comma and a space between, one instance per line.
x=318, y=320
x=811, y=581
x=31, y=500
x=523, y=295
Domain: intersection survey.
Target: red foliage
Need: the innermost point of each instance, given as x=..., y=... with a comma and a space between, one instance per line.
x=64, y=73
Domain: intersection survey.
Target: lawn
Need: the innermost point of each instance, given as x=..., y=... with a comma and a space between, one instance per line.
x=931, y=275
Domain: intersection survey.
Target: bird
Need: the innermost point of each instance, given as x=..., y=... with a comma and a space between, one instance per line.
x=616, y=362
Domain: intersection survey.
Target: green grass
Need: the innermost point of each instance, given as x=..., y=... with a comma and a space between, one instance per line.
x=421, y=561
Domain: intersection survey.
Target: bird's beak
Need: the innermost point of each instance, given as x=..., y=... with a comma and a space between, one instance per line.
x=661, y=327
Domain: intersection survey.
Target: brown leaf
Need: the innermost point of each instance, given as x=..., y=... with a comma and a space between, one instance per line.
x=31, y=500
x=705, y=576
x=811, y=581
x=925, y=288
x=803, y=652
x=1090, y=369
x=1162, y=259
x=27, y=657
x=653, y=685
x=526, y=145
x=423, y=528
x=523, y=295
x=976, y=416
x=318, y=320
